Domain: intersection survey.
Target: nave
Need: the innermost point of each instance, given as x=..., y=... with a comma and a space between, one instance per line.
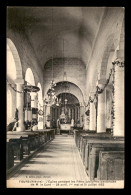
x=59, y=160
x=65, y=78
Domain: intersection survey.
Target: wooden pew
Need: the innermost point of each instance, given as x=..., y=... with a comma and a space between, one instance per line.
x=85, y=138
x=21, y=143
x=111, y=165
x=26, y=144
x=94, y=151
x=26, y=139
x=49, y=134
x=42, y=137
x=78, y=134
x=17, y=148
x=15, y=142
x=9, y=155
x=97, y=140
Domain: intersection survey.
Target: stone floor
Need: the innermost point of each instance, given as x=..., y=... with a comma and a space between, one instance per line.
x=59, y=160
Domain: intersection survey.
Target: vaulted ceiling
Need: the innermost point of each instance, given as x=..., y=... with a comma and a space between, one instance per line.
x=78, y=26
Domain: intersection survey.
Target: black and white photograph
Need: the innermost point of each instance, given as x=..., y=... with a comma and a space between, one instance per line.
x=65, y=75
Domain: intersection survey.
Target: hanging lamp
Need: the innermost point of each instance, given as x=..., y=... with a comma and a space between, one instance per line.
x=51, y=91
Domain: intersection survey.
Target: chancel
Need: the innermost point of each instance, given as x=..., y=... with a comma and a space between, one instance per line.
x=65, y=96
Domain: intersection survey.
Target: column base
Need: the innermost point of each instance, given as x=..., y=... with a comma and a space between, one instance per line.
x=115, y=135
x=91, y=130
x=101, y=131
x=20, y=129
x=35, y=128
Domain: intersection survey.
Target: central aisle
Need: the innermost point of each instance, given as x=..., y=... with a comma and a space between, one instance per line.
x=58, y=160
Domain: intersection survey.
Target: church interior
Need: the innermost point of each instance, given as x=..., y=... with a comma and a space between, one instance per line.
x=65, y=95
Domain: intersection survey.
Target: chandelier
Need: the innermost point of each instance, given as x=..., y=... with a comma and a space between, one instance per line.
x=26, y=88
x=64, y=85
x=51, y=92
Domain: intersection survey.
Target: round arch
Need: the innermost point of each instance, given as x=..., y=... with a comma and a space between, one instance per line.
x=61, y=66
x=15, y=59
x=29, y=77
x=73, y=89
x=72, y=99
x=9, y=106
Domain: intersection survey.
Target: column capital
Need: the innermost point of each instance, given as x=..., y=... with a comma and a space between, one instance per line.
x=109, y=87
x=118, y=62
x=19, y=81
x=34, y=94
x=91, y=96
x=101, y=82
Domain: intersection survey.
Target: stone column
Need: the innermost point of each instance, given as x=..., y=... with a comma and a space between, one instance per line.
x=118, y=128
x=92, y=124
x=75, y=114
x=109, y=106
x=34, y=104
x=40, y=118
x=48, y=122
x=34, y=100
x=44, y=116
x=69, y=113
x=101, y=112
x=81, y=116
x=20, y=104
x=86, y=122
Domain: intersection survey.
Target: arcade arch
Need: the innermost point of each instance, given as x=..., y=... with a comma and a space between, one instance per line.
x=14, y=80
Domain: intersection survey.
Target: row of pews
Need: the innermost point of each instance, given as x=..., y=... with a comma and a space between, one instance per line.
x=102, y=154
x=20, y=145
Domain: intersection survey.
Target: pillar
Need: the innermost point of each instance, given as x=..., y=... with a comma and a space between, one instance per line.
x=40, y=117
x=34, y=100
x=20, y=104
x=118, y=128
x=108, y=107
x=34, y=104
x=92, y=123
x=48, y=122
x=86, y=122
x=44, y=116
x=81, y=116
x=69, y=113
x=75, y=115
x=101, y=111
x=58, y=111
